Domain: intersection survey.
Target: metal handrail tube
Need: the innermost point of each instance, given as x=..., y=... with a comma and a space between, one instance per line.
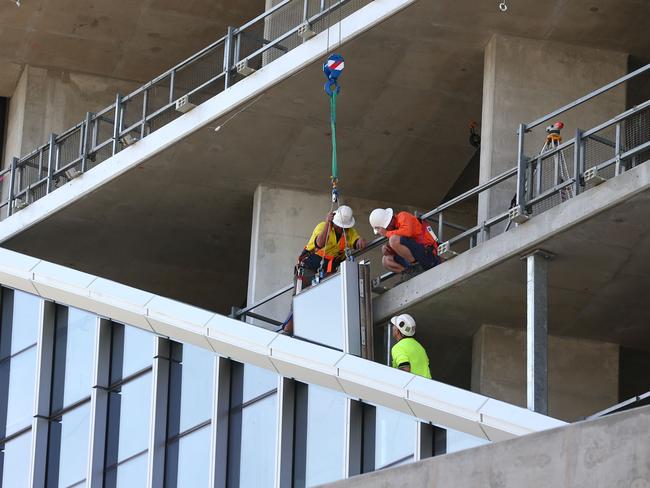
x=602, y=140
x=68, y=132
x=268, y=320
x=625, y=155
x=551, y=191
x=33, y=153
x=468, y=233
x=554, y=151
x=264, y=300
x=586, y=98
x=617, y=119
x=61, y=171
x=448, y=224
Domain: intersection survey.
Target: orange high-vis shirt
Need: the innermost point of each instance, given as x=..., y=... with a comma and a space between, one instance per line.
x=408, y=225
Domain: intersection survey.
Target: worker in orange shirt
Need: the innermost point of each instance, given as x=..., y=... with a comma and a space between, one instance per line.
x=410, y=241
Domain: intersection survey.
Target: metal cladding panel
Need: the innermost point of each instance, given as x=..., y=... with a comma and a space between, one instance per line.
x=16, y=270
x=446, y=405
x=177, y=312
x=306, y=362
x=180, y=331
x=374, y=382
x=502, y=420
x=240, y=341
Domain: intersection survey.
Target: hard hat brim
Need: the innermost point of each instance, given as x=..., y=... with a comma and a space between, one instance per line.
x=342, y=225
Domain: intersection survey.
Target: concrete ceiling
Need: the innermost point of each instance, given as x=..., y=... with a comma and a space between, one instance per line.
x=179, y=225
x=125, y=39
x=599, y=285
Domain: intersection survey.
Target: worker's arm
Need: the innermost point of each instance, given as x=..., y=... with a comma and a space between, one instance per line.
x=360, y=244
x=321, y=238
x=405, y=227
x=405, y=367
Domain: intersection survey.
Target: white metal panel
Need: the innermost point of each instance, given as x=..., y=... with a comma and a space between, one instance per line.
x=446, y=405
x=16, y=270
x=306, y=362
x=374, y=382
x=240, y=341
x=122, y=303
x=502, y=420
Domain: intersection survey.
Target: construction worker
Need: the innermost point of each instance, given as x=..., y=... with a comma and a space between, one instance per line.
x=329, y=241
x=408, y=354
x=410, y=242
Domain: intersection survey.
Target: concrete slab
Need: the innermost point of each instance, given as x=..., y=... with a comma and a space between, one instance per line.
x=599, y=280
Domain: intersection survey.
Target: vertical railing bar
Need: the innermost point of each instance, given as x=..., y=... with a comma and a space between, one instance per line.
x=227, y=57
x=117, y=122
x=12, y=177
x=538, y=175
x=145, y=103
x=40, y=163
x=305, y=10
x=440, y=228
x=577, y=154
x=86, y=141
x=617, y=150
x=172, y=79
x=521, y=169
x=51, y=157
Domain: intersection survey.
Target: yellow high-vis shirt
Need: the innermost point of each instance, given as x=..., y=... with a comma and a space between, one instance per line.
x=332, y=246
x=408, y=350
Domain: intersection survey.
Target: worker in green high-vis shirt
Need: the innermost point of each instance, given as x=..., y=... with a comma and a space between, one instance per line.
x=407, y=353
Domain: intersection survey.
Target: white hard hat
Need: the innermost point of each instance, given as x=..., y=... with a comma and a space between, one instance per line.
x=380, y=217
x=343, y=217
x=405, y=323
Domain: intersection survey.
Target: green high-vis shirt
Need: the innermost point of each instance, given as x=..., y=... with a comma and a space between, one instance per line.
x=408, y=350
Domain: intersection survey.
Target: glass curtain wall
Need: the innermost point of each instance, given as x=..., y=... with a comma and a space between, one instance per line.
x=253, y=426
x=18, y=341
x=191, y=383
x=129, y=407
x=73, y=360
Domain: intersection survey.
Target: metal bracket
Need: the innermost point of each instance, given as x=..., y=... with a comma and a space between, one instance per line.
x=445, y=252
x=19, y=204
x=72, y=173
x=243, y=68
x=305, y=32
x=548, y=255
x=592, y=174
x=518, y=214
x=184, y=105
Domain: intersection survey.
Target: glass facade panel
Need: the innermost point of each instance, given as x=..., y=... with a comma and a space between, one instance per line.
x=19, y=373
x=133, y=403
x=258, y=433
x=74, y=344
x=132, y=473
x=138, y=350
x=68, y=449
x=457, y=441
x=15, y=461
x=325, y=435
x=196, y=386
x=395, y=438
x=257, y=381
x=194, y=459
x=25, y=317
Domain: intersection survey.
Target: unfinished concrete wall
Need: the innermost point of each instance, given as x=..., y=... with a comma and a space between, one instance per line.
x=525, y=79
x=582, y=375
x=49, y=101
x=610, y=452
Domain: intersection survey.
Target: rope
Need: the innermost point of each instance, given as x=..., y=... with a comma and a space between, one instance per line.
x=335, y=169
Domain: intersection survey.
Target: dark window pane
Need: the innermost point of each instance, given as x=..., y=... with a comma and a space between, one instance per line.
x=26, y=313
x=18, y=374
x=15, y=465
x=193, y=469
x=68, y=449
x=325, y=436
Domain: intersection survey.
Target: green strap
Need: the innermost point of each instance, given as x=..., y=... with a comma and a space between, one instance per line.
x=335, y=169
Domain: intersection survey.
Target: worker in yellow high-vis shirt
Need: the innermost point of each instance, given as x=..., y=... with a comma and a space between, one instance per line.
x=407, y=353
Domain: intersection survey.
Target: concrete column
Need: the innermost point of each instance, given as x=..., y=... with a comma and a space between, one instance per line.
x=582, y=375
x=525, y=79
x=537, y=333
x=283, y=220
x=47, y=100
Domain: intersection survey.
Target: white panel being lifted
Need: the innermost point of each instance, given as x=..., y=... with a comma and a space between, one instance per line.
x=310, y=363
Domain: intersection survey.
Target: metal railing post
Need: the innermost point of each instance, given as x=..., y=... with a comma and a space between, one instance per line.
x=440, y=228
x=617, y=150
x=145, y=104
x=117, y=124
x=227, y=57
x=172, y=80
x=305, y=10
x=577, y=156
x=87, y=144
x=51, y=161
x=522, y=166
x=12, y=177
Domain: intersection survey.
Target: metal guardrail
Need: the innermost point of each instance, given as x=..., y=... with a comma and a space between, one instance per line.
x=136, y=115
